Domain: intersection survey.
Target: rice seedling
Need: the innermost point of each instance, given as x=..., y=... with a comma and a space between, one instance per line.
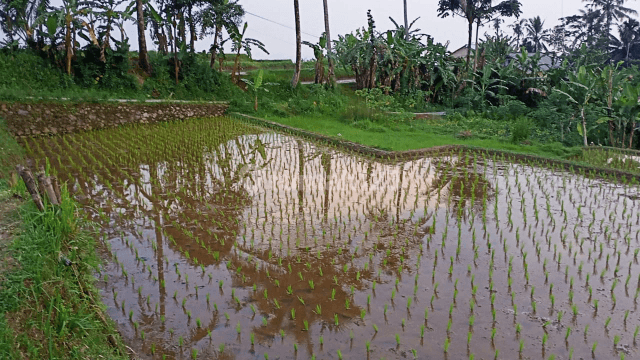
x=258, y=209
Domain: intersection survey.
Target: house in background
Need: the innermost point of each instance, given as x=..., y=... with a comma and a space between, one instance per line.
x=462, y=52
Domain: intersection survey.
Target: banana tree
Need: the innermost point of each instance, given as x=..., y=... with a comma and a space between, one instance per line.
x=629, y=105
x=319, y=53
x=610, y=88
x=256, y=85
x=487, y=85
x=579, y=90
x=241, y=43
x=64, y=17
x=359, y=51
x=216, y=16
x=103, y=12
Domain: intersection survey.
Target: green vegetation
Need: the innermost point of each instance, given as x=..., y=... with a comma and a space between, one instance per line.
x=412, y=136
x=10, y=154
x=49, y=306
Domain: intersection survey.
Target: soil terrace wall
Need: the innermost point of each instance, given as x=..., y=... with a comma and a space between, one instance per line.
x=37, y=119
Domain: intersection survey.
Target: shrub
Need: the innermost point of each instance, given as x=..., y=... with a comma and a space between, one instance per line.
x=520, y=130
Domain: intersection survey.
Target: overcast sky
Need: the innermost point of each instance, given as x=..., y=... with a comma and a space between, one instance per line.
x=347, y=15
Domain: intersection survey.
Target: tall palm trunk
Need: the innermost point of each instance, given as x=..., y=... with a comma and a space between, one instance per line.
x=469, y=45
x=296, y=73
x=67, y=43
x=192, y=32
x=584, y=127
x=331, y=79
x=176, y=67
x=143, y=56
x=475, y=53
x=214, y=49
x=406, y=22
x=609, y=104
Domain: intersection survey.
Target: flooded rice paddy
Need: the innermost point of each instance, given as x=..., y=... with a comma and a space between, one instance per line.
x=227, y=241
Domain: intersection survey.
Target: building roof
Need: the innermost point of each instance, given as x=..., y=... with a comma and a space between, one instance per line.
x=545, y=63
x=462, y=52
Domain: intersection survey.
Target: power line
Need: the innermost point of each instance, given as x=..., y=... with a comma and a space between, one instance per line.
x=277, y=23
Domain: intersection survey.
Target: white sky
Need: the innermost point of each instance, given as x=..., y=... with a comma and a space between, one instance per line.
x=347, y=15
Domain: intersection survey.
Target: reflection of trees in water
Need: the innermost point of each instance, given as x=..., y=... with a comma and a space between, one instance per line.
x=220, y=202
x=458, y=179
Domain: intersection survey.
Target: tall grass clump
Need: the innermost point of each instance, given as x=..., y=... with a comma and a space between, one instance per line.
x=49, y=306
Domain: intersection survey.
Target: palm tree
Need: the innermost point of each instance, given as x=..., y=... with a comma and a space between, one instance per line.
x=629, y=36
x=608, y=11
x=143, y=56
x=296, y=72
x=518, y=30
x=536, y=34
x=475, y=10
x=328, y=36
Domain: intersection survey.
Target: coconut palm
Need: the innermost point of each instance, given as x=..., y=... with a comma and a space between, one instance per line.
x=629, y=37
x=475, y=10
x=296, y=73
x=608, y=11
x=518, y=31
x=536, y=34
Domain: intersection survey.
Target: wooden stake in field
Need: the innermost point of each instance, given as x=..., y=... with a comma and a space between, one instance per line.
x=29, y=181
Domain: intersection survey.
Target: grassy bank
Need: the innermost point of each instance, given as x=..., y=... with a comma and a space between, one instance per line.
x=410, y=137
x=49, y=307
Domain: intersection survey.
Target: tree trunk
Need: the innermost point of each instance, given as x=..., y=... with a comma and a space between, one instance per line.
x=176, y=68
x=182, y=29
x=30, y=183
x=105, y=43
x=235, y=77
x=633, y=128
x=584, y=127
x=214, y=48
x=469, y=46
x=475, y=53
x=143, y=55
x=331, y=78
x=192, y=32
x=373, y=65
x=609, y=104
x=406, y=22
x=296, y=72
x=67, y=43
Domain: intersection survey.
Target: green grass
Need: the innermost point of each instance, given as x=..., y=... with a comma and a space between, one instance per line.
x=10, y=153
x=404, y=137
x=49, y=309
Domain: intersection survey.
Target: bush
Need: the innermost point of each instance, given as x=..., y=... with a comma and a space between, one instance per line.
x=520, y=130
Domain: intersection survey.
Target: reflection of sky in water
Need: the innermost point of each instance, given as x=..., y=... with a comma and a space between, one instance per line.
x=259, y=201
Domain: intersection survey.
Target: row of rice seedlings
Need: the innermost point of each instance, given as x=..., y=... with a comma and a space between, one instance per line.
x=326, y=228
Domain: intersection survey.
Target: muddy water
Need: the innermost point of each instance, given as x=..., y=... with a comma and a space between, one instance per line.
x=228, y=242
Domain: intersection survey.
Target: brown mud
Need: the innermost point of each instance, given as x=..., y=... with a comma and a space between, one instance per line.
x=228, y=241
